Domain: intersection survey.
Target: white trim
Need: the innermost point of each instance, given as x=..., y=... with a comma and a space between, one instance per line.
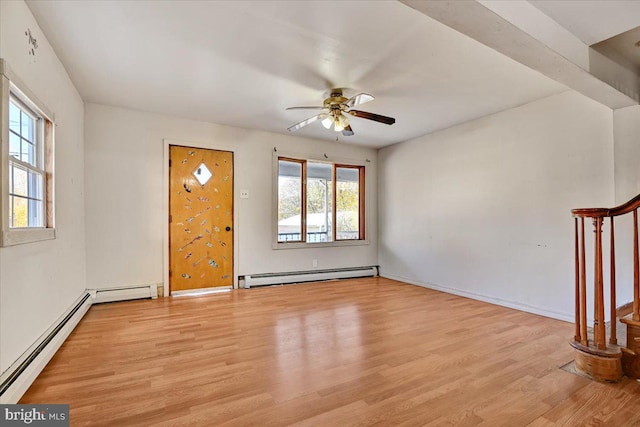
x=4, y=156
x=310, y=245
x=308, y=276
x=123, y=293
x=24, y=381
x=165, y=203
x=18, y=236
x=567, y=317
x=32, y=100
x=315, y=158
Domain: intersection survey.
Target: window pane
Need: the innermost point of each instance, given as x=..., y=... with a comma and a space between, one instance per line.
x=35, y=185
x=35, y=213
x=202, y=174
x=347, y=203
x=19, y=212
x=319, y=202
x=14, y=118
x=14, y=145
x=28, y=153
x=20, y=185
x=289, y=201
x=28, y=125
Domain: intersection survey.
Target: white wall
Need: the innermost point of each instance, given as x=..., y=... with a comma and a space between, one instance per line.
x=39, y=281
x=626, y=128
x=124, y=202
x=626, y=131
x=483, y=209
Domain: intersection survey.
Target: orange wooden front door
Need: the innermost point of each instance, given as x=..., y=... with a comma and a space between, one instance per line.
x=200, y=218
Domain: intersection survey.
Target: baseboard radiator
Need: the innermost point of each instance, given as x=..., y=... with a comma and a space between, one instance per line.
x=123, y=294
x=15, y=381
x=254, y=280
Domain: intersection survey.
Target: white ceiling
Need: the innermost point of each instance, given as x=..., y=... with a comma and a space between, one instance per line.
x=590, y=20
x=242, y=63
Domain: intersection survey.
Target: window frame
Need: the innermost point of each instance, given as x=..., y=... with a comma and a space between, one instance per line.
x=12, y=88
x=335, y=163
x=361, y=201
x=303, y=191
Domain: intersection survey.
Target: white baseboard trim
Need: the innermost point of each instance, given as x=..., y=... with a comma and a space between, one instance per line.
x=17, y=379
x=123, y=293
x=254, y=280
x=567, y=317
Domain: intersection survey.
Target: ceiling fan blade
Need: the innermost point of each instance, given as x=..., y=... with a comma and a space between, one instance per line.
x=307, y=121
x=305, y=108
x=358, y=99
x=347, y=131
x=372, y=116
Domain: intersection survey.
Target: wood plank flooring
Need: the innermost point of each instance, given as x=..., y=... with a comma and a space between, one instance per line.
x=354, y=352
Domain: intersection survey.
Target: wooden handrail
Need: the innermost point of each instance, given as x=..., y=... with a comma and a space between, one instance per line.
x=624, y=208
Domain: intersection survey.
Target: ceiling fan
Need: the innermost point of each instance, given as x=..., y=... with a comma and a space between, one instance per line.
x=337, y=107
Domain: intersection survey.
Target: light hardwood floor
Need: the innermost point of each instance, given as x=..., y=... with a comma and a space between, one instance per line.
x=354, y=352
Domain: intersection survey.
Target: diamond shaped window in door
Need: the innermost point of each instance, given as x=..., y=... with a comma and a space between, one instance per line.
x=202, y=174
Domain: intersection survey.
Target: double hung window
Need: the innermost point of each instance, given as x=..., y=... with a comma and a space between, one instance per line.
x=27, y=166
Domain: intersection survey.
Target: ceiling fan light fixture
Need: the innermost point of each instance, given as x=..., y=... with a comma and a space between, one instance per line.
x=341, y=123
x=328, y=122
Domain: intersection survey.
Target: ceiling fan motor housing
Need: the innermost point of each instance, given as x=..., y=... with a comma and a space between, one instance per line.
x=335, y=99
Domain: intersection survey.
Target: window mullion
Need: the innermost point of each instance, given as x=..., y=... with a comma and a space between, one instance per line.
x=334, y=206
x=303, y=209
x=20, y=129
x=362, y=203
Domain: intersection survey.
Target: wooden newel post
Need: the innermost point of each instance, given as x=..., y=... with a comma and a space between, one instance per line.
x=577, y=336
x=613, y=339
x=636, y=269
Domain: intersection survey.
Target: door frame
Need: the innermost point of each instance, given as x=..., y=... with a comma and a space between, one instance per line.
x=165, y=203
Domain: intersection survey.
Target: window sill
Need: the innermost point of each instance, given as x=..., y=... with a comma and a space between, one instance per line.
x=304, y=245
x=27, y=235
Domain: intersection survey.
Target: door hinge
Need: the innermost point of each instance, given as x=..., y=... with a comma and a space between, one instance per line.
x=169, y=162
x=170, y=218
x=170, y=272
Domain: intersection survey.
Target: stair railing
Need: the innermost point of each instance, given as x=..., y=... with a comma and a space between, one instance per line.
x=599, y=345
